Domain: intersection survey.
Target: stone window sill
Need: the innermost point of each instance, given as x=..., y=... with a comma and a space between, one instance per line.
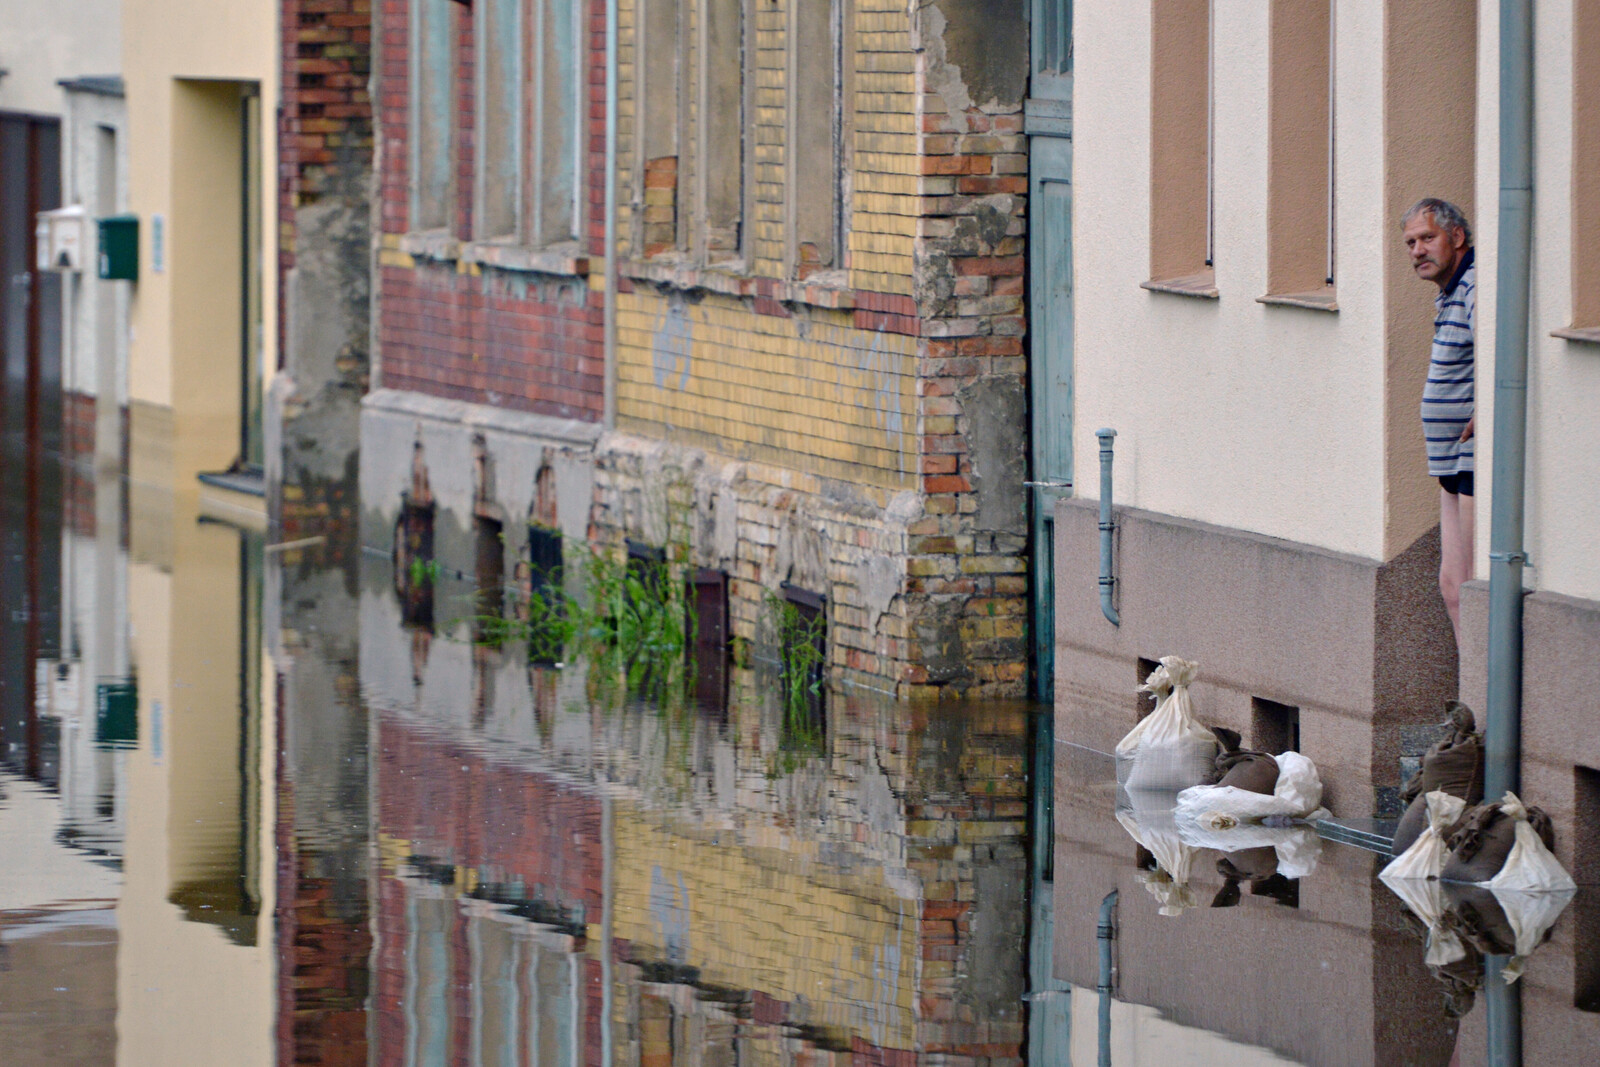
x=1584, y=334
x=502, y=255
x=1202, y=285
x=1326, y=299
x=826, y=289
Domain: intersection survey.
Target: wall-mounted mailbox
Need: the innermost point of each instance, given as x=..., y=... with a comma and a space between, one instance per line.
x=119, y=247
x=60, y=238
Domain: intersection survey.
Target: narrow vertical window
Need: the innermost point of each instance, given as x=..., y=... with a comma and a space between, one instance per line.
x=1300, y=149
x=432, y=78
x=1180, y=142
x=558, y=112
x=820, y=64
x=721, y=126
x=499, y=126
x=658, y=111
x=1586, y=166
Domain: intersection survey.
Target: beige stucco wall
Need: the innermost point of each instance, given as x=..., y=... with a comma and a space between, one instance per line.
x=43, y=43
x=1563, y=458
x=1279, y=420
x=184, y=354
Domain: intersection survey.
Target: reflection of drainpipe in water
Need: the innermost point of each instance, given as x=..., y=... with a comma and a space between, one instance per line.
x=1105, y=933
x=1108, y=581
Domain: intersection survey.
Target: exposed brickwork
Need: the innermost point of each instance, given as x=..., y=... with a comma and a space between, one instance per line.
x=453, y=325
x=898, y=379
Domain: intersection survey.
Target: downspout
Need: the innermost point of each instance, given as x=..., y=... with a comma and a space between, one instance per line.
x=1503, y=726
x=609, y=329
x=1106, y=933
x=1108, y=580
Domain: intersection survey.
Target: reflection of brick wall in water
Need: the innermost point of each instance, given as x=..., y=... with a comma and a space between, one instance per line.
x=323, y=945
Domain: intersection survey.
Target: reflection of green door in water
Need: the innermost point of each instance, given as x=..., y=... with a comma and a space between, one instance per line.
x=1049, y=127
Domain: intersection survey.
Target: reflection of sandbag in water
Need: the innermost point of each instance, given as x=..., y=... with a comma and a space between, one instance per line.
x=1503, y=922
x=1168, y=749
x=1506, y=845
x=1425, y=858
x=1297, y=795
x=1257, y=867
x=1453, y=961
x=1296, y=849
x=1147, y=816
x=1255, y=772
x=1454, y=765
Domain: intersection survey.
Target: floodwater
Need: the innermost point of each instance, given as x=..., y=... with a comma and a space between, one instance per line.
x=255, y=809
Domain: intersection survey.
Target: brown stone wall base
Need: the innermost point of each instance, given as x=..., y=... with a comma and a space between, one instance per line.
x=1362, y=649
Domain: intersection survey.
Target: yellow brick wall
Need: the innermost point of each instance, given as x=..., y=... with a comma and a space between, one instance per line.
x=755, y=922
x=811, y=393
x=885, y=165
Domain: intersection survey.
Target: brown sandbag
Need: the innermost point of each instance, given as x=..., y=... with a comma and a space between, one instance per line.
x=1255, y=772
x=1482, y=838
x=1454, y=764
x=1474, y=914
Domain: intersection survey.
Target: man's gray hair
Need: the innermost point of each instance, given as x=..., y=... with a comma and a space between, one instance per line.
x=1446, y=215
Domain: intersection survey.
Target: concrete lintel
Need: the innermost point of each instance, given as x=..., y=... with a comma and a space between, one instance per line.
x=481, y=416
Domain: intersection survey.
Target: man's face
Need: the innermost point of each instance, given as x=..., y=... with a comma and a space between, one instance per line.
x=1435, y=252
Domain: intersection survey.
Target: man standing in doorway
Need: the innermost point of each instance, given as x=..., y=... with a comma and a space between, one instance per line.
x=1439, y=240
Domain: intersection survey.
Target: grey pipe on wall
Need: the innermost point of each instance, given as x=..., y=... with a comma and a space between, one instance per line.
x=1108, y=579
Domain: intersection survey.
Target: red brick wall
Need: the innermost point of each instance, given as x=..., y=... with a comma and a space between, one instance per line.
x=525, y=340
x=325, y=129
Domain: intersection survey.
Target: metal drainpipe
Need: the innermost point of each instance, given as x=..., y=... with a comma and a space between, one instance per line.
x=609, y=315
x=1105, y=933
x=1108, y=581
x=1503, y=726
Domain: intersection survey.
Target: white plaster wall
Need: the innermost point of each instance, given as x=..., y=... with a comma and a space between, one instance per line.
x=41, y=43
x=1256, y=417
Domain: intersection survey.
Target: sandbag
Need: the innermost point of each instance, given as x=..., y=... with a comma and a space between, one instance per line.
x=1168, y=749
x=1296, y=848
x=1506, y=845
x=1454, y=765
x=1425, y=857
x=1241, y=768
x=1296, y=795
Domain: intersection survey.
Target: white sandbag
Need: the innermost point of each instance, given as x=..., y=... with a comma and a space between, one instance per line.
x=1425, y=898
x=1147, y=817
x=1425, y=858
x=1298, y=847
x=1530, y=867
x=1298, y=795
x=1531, y=914
x=1168, y=749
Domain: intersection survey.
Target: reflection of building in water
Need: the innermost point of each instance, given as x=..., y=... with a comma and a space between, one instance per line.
x=862, y=898
x=1267, y=972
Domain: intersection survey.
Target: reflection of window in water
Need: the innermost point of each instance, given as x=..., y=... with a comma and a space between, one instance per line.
x=430, y=917
x=525, y=985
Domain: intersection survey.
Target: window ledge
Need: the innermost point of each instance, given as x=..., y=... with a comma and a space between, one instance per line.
x=1202, y=285
x=430, y=244
x=1314, y=300
x=505, y=256
x=827, y=291
x=1586, y=334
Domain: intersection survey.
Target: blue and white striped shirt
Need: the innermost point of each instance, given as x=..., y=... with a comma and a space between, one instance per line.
x=1447, y=397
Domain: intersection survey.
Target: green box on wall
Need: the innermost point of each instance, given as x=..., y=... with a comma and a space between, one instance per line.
x=119, y=247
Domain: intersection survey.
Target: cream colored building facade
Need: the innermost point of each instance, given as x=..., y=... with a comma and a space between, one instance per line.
x=202, y=87
x=1248, y=322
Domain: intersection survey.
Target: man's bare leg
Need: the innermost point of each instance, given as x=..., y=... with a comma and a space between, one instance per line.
x=1455, y=552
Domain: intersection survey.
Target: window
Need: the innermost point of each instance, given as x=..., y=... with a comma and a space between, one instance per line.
x=1586, y=168
x=657, y=91
x=1180, y=144
x=820, y=67
x=432, y=79
x=498, y=126
x=558, y=97
x=721, y=143
x=1274, y=727
x=1300, y=148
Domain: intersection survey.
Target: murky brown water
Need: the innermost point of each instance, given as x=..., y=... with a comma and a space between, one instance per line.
x=251, y=814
